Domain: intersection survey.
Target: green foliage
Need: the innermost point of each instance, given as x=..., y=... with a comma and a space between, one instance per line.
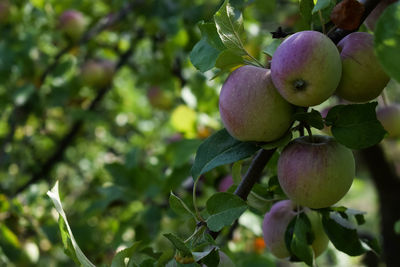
x=356, y=125
x=387, y=40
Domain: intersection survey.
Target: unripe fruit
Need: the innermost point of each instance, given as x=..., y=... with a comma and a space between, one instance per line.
x=306, y=68
x=97, y=73
x=225, y=183
x=159, y=98
x=363, y=78
x=316, y=173
x=251, y=108
x=275, y=224
x=389, y=116
x=72, y=24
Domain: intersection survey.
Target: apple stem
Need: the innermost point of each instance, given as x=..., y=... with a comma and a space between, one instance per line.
x=309, y=132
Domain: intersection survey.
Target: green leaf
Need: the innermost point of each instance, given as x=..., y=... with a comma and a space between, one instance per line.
x=283, y=141
x=306, y=8
x=312, y=118
x=66, y=232
x=205, y=53
x=387, y=40
x=297, y=237
x=220, y=149
x=355, y=125
x=224, y=208
x=178, y=206
x=237, y=172
x=119, y=258
x=180, y=152
x=342, y=234
x=23, y=93
x=201, y=255
x=373, y=244
x=212, y=259
x=397, y=227
x=229, y=23
x=178, y=244
x=271, y=48
x=227, y=60
x=320, y=5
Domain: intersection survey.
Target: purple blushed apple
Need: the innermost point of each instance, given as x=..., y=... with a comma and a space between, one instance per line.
x=4, y=10
x=306, y=68
x=159, y=98
x=275, y=224
x=363, y=78
x=316, y=173
x=251, y=108
x=389, y=116
x=225, y=183
x=97, y=73
x=72, y=24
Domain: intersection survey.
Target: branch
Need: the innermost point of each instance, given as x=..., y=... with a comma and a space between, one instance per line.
x=42, y=173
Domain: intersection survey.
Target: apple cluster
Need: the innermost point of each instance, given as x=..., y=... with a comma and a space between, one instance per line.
x=258, y=104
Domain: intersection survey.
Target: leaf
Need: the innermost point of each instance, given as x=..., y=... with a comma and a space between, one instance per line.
x=373, y=244
x=212, y=259
x=320, y=5
x=312, y=118
x=220, y=149
x=355, y=125
x=297, y=238
x=230, y=28
x=237, y=172
x=224, y=208
x=283, y=141
x=306, y=7
x=227, y=61
x=347, y=14
x=178, y=206
x=200, y=255
x=205, y=53
x=67, y=232
x=387, y=40
x=342, y=234
x=271, y=48
x=178, y=244
x=23, y=93
x=119, y=258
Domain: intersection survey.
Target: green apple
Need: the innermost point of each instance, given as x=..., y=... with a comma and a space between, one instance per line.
x=389, y=116
x=316, y=172
x=277, y=220
x=306, y=68
x=97, y=73
x=72, y=24
x=363, y=78
x=251, y=108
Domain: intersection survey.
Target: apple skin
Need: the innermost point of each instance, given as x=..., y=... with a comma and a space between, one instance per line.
x=363, y=78
x=4, y=11
x=316, y=174
x=251, y=108
x=225, y=183
x=389, y=116
x=276, y=221
x=306, y=68
x=97, y=73
x=72, y=24
x=373, y=17
x=159, y=98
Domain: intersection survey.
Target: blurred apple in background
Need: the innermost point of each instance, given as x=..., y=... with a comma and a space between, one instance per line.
x=97, y=73
x=389, y=116
x=72, y=24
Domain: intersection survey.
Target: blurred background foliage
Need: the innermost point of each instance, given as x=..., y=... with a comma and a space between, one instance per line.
x=118, y=162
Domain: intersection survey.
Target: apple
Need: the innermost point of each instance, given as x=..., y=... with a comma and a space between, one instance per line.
x=363, y=78
x=306, y=68
x=97, y=73
x=277, y=220
x=159, y=98
x=316, y=172
x=373, y=17
x=251, y=108
x=225, y=183
x=389, y=116
x=72, y=24
x=4, y=11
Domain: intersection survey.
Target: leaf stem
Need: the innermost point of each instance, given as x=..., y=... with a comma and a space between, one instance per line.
x=322, y=21
x=196, y=209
